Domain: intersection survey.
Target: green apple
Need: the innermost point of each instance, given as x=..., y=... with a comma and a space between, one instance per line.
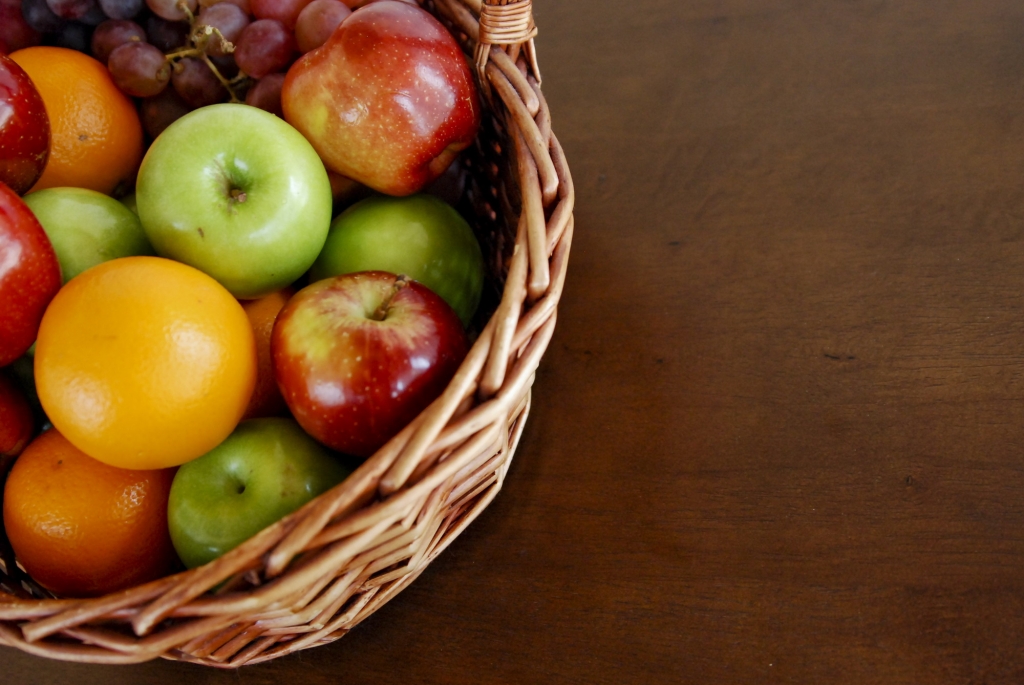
x=238, y=193
x=419, y=236
x=86, y=228
x=266, y=469
x=129, y=202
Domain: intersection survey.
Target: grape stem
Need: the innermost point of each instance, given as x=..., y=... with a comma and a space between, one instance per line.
x=220, y=77
x=178, y=54
x=183, y=6
x=199, y=38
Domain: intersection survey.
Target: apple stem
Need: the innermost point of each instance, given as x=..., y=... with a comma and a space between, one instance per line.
x=238, y=195
x=381, y=312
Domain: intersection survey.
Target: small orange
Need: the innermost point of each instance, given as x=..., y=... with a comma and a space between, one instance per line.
x=266, y=398
x=144, y=363
x=95, y=133
x=82, y=528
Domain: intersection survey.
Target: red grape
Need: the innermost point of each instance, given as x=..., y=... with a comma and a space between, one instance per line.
x=75, y=36
x=241, y=4
x=285, y=11
x=196, y=84
x=264, y=47
x=70, y=9
x=228, y=19
x=166, y=35
x=226, y=66
x=266, y=94
x=112, y=34
x=317, y=22
x=121, y=9
x=94, y=17
x=160, y=111
x=14, y=31
x=40, y=17
x=139, y=69
x=168, y=9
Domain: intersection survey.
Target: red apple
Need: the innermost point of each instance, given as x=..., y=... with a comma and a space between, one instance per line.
x=359, y=356
x=16, y=421
x=29, y=275
x=388, y=100
x=24, y=128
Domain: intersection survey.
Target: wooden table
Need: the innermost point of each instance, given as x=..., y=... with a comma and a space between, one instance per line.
x=779, y=433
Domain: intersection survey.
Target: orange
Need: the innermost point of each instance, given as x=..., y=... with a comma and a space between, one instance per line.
x=80, y=527
x=266, y=398
x=144, y=363
x=95, y=133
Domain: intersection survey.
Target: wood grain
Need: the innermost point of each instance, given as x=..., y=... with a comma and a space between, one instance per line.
x=779, y=434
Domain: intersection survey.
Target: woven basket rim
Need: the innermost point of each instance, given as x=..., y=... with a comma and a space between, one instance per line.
x=312, y=576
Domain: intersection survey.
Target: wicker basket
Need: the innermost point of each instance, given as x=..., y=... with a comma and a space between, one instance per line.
x=311, y=577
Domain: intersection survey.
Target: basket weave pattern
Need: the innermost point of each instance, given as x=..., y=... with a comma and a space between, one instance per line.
x=314, y=575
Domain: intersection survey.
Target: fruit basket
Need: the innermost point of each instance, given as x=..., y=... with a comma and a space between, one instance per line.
x=314, y=575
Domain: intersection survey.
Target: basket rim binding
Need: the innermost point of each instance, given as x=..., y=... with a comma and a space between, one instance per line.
x=312, y=576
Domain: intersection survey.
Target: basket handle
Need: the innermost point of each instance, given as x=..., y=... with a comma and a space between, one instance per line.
x=508, y=23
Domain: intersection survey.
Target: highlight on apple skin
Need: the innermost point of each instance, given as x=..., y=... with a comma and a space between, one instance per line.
x=237, y=193
x=388, y=101
x=358, y=356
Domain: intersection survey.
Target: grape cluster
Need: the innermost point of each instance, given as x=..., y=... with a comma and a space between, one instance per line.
x=178, y=55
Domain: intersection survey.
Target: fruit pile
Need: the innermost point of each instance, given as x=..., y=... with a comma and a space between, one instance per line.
x=222, y=279
x=188, y=53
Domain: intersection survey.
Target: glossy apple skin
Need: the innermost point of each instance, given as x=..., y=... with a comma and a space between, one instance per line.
x=237, y=193
x=87, y=228
x=419, y=236
x=266, y=469
x=24, y=129
x=388, y=100
x=16, y=420
x=353, y=381
x=29, y=276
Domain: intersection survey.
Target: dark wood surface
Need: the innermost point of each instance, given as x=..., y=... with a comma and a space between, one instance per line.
x=779, y=433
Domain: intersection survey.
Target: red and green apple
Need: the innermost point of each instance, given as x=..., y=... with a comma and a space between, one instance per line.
x=359, y=356
x=388, y=100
